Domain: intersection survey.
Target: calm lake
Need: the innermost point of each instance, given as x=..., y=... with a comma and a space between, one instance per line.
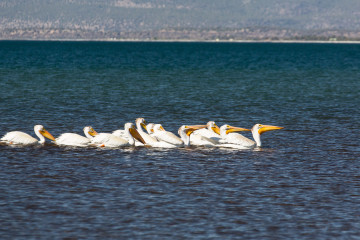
x=304, y=183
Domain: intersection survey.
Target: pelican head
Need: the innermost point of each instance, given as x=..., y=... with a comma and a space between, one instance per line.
x=185, y=132
x=41, y=132
x=226, y=129
x=157, y=128
x=89, y=132
x=150, y=128
x=130, y=127
x=259, y=129
x=185, y=129
x=141, y=122
x=211, y=125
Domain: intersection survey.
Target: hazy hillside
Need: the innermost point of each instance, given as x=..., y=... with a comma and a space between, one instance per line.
x=140, y=18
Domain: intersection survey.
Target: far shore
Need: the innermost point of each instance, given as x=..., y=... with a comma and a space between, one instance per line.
x=186, y=40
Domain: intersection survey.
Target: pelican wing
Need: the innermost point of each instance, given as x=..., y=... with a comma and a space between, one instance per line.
x=168, y=137
x=238, y=139
x=147, y=138
x=208, y=134
x=109, y=140
x=199, y=140
x=120, y=133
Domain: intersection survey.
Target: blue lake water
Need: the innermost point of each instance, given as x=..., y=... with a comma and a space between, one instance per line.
x=304, y=183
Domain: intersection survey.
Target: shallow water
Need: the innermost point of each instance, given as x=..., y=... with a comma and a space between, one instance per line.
x=304, y=183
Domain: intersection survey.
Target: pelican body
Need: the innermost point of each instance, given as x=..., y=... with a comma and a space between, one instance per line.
x=21, y=138
x=111, y=141
x=76, y=140
x=230, y=138
x=198, y=140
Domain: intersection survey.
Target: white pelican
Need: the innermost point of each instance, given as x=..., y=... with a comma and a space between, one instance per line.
x=112, y=141
x=21, y=138
x=140, y=123
x=157, y=143
x=121, y=133
x=185, y=133
x=162, y=135
x=240, y=140
x=212, y=131
x=259, y=129
x=73, y=139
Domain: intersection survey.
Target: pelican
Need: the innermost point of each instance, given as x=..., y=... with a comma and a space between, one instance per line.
x=76, y=140
x=162, y=135
x=212, y=131
x=112, y=141
x=240, y=140
x=185, y=133
x=259, y=129
x=140, y=123
x=158, y=143
x=121, y=133
x=21, y=138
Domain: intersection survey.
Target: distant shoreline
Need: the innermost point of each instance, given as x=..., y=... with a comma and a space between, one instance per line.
x=183, y=41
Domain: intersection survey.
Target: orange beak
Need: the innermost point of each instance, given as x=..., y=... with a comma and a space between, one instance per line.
x=47, y=134
x=266, y=128
x=92, y=132
x=190, y=129
x=143, y=125
x=216, y=129
x=236, y=129
x=136, y=135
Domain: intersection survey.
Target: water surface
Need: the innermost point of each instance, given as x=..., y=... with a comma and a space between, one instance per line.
x=304, y=183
